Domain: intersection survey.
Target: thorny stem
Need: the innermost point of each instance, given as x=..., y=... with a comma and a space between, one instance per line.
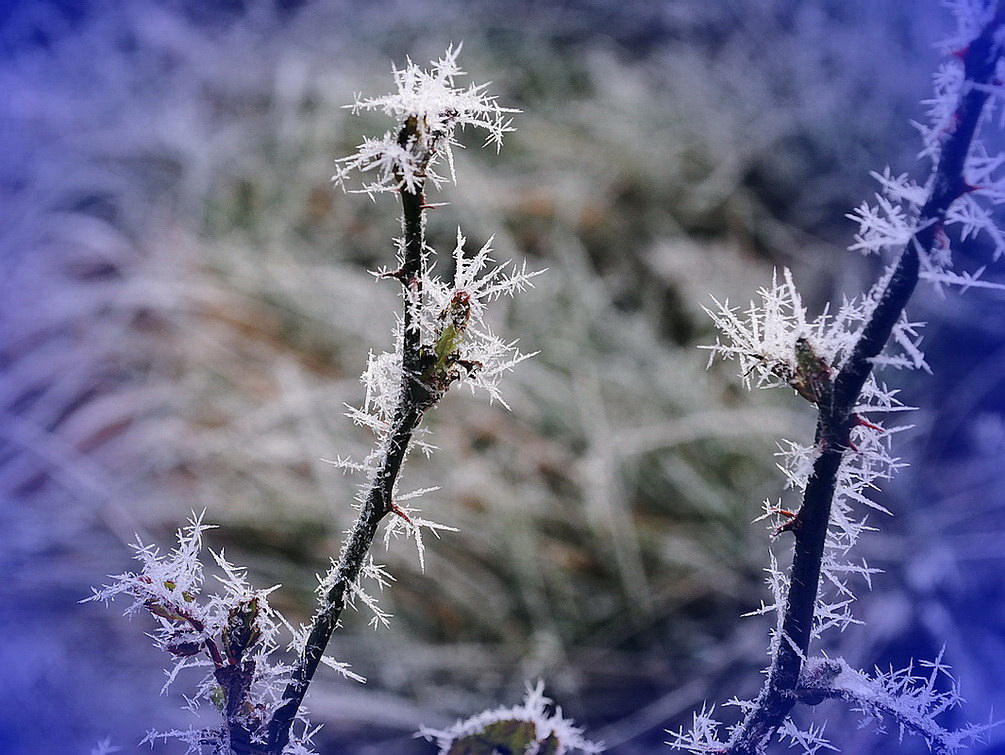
x=836, y=419
x=376, y=506
x=413, y=399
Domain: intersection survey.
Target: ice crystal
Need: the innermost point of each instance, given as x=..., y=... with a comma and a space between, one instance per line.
x=893, y=218
x=105, y=747
x=411, y=524
x=705, y=735
x=477, y=281
x=429, y=108
x=811, y=739
x=480, y=281
x=912, y=700
x=528, y=727
x=777, y=343
x=765, y=338
x=225, y=634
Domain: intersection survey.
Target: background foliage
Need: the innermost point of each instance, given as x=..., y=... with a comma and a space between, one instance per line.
x=185, y=307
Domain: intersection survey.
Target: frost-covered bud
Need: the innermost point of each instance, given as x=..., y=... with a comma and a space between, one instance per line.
x=817, y=680
x=441, y=362
x=243, y=678
x=813, y=377
x=163, y=610
x=455, y=318
x=241, y=631
x=429, y=108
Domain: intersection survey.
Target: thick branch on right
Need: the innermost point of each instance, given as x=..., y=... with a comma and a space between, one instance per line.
x=829, y=361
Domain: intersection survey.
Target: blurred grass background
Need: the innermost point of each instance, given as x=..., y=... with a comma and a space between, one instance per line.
x=186, y=306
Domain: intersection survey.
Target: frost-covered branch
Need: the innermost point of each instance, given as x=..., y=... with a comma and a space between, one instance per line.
x=910, y=700
x=836, y=415
x=232, y=637
x=830, y=360
x=441, y=337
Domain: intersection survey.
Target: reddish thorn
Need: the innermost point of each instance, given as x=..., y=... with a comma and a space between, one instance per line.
x=396, y=509
x=861, y=421
x=852, y=446
x=961, y=53
x=967, y=188
x=398, y=275
x=789, y=526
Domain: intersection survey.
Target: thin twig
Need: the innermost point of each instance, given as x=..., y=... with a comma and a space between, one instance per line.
x=413, y=399
x=836, y=418
x=822, y=683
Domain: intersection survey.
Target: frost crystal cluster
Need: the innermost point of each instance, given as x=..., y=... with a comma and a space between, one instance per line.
x=230, y=636
x=892, y=219
x=527, y=728
x=429, y=108
x=830, y=360
x=458, y=346
x=776, y=343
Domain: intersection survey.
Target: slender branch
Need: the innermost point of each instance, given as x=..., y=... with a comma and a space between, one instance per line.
x=836, y=417
x=937, y=739
x=829, y=679
x=413, y=399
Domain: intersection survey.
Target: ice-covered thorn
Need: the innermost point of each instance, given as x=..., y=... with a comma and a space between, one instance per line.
x=398, y=275
x=791, y=525
x=860, y=421
x=394, y=508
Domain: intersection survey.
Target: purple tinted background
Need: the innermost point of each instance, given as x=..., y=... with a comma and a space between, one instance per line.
x=109, y=175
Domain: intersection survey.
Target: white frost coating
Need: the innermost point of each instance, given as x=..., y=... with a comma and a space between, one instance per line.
x=439, y=108
x=534, y=709
x=171, y=587
x=429, y=108
x=913, y=700
x=483, y=282
x=763, y=340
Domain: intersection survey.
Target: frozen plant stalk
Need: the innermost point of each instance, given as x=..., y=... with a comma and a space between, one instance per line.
x=830, y=361
x=441, y=338
x=233, y=636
